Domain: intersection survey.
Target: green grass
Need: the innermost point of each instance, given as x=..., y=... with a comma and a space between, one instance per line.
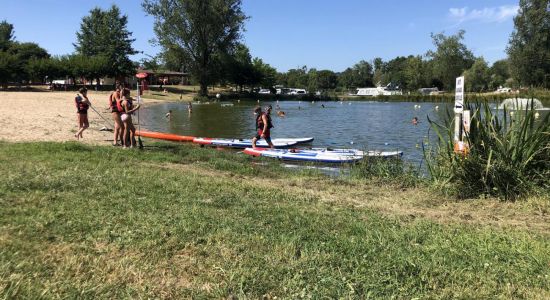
x=179, y=222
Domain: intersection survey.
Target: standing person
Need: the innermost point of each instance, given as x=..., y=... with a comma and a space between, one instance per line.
x=82, y=105
x=189, y=107
x=127, y=107
x=263, y=126
x=115, y=98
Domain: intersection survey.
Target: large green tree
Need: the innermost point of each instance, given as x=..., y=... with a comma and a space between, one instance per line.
x=500, y=73
x=237, y=67
x=529, y=48
x=327, y=80
x=450, y=58
x=198, y=28
x=25, y=53
x=415, y=73
x=297, y=78
x=7, y=71
x=478, y=76
x=104, y=33
x=6, y=35
x=360, y=75
x=394, y=72
x=267, y=74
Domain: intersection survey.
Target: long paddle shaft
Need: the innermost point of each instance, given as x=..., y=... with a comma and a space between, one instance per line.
x=140, y=143
x=101, y=117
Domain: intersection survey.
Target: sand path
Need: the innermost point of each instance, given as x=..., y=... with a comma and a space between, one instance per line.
x=51, y=116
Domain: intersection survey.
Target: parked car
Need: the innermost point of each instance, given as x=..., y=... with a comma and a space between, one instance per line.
x=298, y=92
x=504, y=90
x=264, y=91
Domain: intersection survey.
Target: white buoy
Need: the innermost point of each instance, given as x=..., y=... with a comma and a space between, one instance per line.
x=537, y=115
x=312, y=101
x=239, y=101
x=218, y=96
x=351, y=142
x=436, y=107
x=258, y=100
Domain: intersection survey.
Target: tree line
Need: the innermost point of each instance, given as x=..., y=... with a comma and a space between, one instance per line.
x=204, y=39
x=102, y=49
x=202, y=44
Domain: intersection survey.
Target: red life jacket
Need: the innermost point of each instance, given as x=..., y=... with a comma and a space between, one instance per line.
x=129, y=104
x=80, y=105
x=260, y=122
x=119, y=105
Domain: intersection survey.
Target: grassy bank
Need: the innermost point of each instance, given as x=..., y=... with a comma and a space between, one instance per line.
x=179, y=221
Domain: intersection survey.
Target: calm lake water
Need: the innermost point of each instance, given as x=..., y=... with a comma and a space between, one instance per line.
x=361, y=125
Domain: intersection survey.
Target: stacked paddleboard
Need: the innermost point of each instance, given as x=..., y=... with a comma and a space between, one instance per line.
x=320, y=155
x=164, y=136
x=246, y=143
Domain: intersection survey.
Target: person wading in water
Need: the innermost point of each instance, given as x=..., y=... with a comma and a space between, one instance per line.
x=263, y=126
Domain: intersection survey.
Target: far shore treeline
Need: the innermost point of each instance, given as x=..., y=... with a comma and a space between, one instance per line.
x=195, y=38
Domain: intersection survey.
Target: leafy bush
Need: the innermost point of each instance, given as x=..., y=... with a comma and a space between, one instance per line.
x=509, y=153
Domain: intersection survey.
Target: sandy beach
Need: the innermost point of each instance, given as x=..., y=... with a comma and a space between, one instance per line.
x=51, y=116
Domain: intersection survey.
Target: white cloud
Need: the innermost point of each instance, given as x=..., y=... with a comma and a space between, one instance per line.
x=486, y=15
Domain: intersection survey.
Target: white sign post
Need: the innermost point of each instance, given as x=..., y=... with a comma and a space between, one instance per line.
x=459, y=95
x=459, y=107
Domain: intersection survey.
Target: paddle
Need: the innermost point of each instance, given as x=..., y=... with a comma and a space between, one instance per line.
x=105, y=128
x=139, y=76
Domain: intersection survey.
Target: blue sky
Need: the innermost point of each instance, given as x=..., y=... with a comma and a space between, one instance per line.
x=324, y=34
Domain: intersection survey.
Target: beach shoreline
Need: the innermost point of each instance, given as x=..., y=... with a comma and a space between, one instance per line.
x=51, y=117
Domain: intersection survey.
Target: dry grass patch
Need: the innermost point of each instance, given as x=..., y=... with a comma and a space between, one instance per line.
x=393, y=200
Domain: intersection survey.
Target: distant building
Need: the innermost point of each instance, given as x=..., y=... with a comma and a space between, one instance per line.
x=388, y=90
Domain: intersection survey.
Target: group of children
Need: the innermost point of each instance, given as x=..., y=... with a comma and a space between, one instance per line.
x=122, y=108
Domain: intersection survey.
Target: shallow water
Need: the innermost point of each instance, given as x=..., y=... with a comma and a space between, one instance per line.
x=361, y=125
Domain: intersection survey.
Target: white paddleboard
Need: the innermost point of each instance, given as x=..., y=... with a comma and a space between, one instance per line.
x=245, y=143
x=321, y=155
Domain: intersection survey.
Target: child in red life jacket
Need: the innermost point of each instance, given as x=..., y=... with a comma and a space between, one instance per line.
x=263, y=126
x=82, y=105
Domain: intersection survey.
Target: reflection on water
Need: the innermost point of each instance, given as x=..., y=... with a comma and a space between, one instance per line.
x=361, y=125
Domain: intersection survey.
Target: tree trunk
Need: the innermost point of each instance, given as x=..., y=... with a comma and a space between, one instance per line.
x=97, y=84
x=203, y=81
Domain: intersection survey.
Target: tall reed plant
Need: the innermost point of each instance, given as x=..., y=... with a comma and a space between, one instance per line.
x=508, y=157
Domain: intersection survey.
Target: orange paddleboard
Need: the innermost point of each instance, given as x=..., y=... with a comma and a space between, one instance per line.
x=165, y=136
